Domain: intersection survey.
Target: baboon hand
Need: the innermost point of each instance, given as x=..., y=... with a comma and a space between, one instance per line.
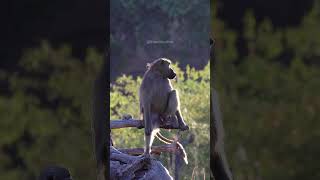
x=146, y=156
x=184, y=127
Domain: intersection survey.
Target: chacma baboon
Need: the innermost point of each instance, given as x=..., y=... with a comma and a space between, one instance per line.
x=158, y=100
x=219, y=165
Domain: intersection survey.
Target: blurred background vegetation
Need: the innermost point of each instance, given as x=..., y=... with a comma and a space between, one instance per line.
x=268, y=78
x=45, y=113
x=267, y=73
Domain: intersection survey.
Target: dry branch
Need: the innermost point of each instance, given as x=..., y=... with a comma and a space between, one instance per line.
x=171, y=148
x=124, y=123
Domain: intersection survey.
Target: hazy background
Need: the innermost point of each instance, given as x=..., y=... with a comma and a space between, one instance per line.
x=141, y=31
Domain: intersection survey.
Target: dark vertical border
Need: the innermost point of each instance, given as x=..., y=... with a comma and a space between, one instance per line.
x=212, y=64
x=218, y=162
x=107, y=83
x=212, y=130
x=101, y=104
x=107, y=59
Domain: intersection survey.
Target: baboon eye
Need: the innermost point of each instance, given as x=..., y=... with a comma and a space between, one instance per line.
x=162, y=61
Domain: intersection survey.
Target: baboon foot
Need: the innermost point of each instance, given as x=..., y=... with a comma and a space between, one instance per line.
x=146, y=158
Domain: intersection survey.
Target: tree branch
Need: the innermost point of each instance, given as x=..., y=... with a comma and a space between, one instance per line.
x=124, y=123
x=171, y=148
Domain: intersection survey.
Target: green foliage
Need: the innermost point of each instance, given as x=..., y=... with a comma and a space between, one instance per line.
x=193, y=86
x=270, y=98
x=45, y=119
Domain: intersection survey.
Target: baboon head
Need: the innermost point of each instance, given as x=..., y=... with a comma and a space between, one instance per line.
x=162, y=66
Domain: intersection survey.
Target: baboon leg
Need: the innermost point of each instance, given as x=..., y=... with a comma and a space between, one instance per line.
x=147, y=149
x=173, y=108
x=147, y=129
x=173, y=103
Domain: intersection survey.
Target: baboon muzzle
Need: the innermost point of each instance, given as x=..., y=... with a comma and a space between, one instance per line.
x=172, y=75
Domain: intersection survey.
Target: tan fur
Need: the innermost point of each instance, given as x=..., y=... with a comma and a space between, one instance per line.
x=158, y=100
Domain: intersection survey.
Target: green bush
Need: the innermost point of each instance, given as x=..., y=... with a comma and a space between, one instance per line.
x=270, y=98
x=45, y=116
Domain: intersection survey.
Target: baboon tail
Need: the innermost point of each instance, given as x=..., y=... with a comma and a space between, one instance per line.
x=183, y=152
x=163, y=139
x=169, y=141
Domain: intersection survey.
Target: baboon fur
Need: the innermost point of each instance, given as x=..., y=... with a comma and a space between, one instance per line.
x=158, y=99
